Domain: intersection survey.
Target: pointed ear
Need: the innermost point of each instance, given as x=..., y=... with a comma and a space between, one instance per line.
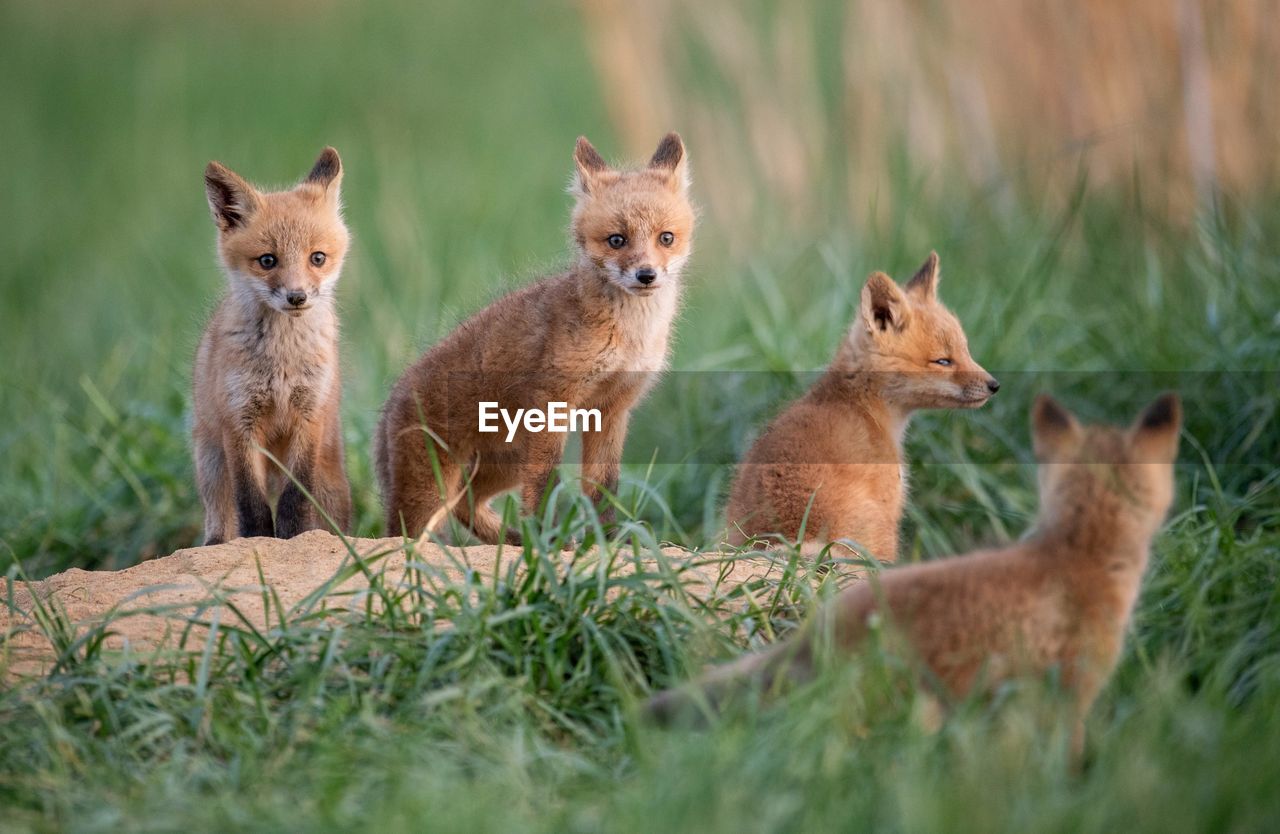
x=327, y=172
x=231, y=199
x=590, y=166
x=925, y=281
x=1154, y=434
x=671, y=158
x=1055, y=433
x=883, y=307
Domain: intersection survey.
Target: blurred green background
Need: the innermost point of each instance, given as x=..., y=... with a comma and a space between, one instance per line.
x=1059, y=170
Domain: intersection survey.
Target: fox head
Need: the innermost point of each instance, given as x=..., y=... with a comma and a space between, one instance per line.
x=1104, y=471
x=915, y=346
x=634, y=227
x=283, y=249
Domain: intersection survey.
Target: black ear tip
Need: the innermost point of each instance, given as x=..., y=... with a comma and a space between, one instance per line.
x=669, y=153
x=585, y=154
x=328, y=165
x=1165, y=411
x=1049, y=412
x=217, y=180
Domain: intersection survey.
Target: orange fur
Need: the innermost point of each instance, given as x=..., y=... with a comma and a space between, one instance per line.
x=836, y=453
x=1060, y=598
x=594, y=336
x=266, y=373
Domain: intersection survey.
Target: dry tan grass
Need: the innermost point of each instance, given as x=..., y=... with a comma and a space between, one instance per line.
x=814, y=97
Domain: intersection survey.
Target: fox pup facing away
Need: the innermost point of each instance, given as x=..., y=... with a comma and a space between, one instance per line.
x=266, y=375
x=832, y=462
x=591, y=338
x=1059, y=599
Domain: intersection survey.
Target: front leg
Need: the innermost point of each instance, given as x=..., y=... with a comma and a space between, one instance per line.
x=295, y=513
x=253, y=513
x=602, y=459
x=541, y=457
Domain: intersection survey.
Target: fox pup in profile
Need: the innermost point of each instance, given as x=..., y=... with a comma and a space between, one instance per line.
x=593, y=337
x=266, y=374
x=833, y=460
x=1059, y=598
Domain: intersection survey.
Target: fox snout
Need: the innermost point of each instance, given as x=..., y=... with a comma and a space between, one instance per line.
x=979, y=386
x=640, y=280
x=292, y=300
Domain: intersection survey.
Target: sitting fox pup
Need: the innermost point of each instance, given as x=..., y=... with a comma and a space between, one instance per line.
x=833, y=460
x=1060, y=598
x=266, y=374
x=594, y=337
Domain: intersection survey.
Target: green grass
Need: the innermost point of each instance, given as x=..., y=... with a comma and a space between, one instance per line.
x=455, y=123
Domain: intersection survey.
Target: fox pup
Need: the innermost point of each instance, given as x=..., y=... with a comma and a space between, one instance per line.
x=593, y=337
x=835, y=455
x=1059, y=598
x=266, y=374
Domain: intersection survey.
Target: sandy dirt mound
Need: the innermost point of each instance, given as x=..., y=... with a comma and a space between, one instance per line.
x=188, y=583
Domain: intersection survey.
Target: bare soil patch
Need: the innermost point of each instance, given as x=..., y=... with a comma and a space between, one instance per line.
x=202, y=582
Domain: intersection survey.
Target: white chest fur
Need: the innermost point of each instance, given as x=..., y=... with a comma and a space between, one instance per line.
x=643, y=333
x=283, y=367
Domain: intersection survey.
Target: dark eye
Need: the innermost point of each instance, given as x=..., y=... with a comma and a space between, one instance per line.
x=616, y=241
x=666, y=238
x=317, y=259
x=946, y=363
x=267, y=261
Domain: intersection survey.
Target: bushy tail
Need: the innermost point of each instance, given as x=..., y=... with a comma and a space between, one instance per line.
x=763, y=671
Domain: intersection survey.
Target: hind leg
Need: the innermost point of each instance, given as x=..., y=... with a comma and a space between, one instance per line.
x=214, y=484
x=415, y=500
x=473, y=510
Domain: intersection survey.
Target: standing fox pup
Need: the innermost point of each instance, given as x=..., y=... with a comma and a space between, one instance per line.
x=592, y=338
x=266, y=373
x=835, y=455
x=1058, y=599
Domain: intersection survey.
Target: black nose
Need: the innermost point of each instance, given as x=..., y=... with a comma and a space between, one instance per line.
x=646, y=275
x=993, y=385
x=296, y=297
